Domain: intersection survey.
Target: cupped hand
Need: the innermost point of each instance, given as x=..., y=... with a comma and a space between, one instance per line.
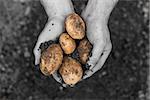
x=99, y=36
x=96, y=16
x=57, y=10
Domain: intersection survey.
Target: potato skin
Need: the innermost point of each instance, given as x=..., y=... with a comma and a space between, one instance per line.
x=67, y=43
x=51, y=59
x=84, y=50
x=71, y=71
x=75, y=26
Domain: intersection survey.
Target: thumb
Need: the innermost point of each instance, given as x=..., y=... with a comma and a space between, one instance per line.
x=37, y=54
x=37, y=51
x=97, y=50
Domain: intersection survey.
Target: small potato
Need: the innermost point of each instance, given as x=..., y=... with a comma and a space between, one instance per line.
x=84, y=50
x=51, y=59
x=75, y=26
x=67, y=43
x=71, y=71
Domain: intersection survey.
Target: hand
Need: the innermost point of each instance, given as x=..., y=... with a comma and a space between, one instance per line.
x=57, y=10
x=96, y=16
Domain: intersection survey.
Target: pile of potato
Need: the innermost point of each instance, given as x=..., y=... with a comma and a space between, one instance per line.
x=58, y=55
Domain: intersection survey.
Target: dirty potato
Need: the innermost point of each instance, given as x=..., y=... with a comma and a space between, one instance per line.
x=67, y=43
x=71, y=71
x=84, y=50
x=75, y=26
x=51, y=59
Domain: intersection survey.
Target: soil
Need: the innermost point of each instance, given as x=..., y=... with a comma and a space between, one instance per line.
x=123, y=76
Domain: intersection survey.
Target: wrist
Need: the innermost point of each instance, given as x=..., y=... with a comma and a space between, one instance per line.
x=58, y=13
x=99, y=9
x=102, y=19
x=57, y=7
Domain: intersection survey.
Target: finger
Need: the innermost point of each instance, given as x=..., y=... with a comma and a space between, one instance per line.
x=58, y=79
x=87, y=74
x=100, y=62
x=96, y=53
x=37, y=52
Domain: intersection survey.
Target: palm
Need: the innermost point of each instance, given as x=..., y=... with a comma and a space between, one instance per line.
x=98, y=35
x=51, y=31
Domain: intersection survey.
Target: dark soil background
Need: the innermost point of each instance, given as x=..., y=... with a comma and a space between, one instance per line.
x=123, y=77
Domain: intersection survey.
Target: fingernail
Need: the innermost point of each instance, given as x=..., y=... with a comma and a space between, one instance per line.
x=64, y=85
x=90, y=68
x=84, y=77
x=71, y=85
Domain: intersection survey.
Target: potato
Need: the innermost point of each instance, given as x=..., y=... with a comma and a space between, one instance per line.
x=67, y=43
x=84, y=50
x=71, y=71
x=51, y=59
x=75, y=26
